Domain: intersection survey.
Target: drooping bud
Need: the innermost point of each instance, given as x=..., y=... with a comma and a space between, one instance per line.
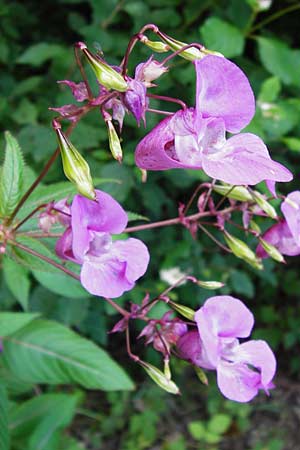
x=272, y=251
x=241, y=250
x=201, y=375
x=192, y=53
x=255, y=227
x=264, y=204
x=75, y=166
x=239, y=193
x=160, y=378
x=156, y=46
x=114, y=141
x=210, y=284
x=106, y=75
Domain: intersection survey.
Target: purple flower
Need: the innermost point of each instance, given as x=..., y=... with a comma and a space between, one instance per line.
x=149, y=71
x=109, y=267
x=242, y=369
x=135, y=99
x=290, y=208
x=196, y=138
x=79, y=90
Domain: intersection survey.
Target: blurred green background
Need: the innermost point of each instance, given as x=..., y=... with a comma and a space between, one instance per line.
x=262, y=37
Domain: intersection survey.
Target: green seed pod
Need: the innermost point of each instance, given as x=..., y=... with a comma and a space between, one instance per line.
x=241, y=250
x=272, y=251
x=264, y=204
x=105, y=74
x=114, y=142
x=239, y=193
x=75, y=166
x=210, y=284
x=156, y=46
x=159, y=378
x=185, y=311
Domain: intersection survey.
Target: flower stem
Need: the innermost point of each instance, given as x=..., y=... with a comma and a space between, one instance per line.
x=168, y=99
x=29, y=216
x=117, y=307
x=276, y=16
x=82, y=71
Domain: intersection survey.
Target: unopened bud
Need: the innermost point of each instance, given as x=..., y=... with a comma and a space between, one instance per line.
x=255, y=227
x=75, y=166
x=191, y=53
x=241, y=250
x=106, y=75
x=272, y=251
x=185, y=311
x=264, y=204
x=210, y=284
x=156, y=46
x=114, y=142
x=201, y=375
x=160, y=378
x=238, y=193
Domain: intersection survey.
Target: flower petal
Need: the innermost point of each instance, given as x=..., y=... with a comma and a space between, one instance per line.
x=244, y=159
x=222, y=316
x=63, y=246
x=223, y=90
x=156, y=150
x=190, y=348
x=237, y=382
x=281, y=237
x=135, y=253
x=105, y=215
x=290, y=208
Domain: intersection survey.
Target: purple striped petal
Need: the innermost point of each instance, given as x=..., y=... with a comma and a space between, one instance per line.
x=290, y=208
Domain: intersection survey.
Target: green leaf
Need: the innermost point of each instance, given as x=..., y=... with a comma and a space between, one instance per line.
x=47, y=352
x=61, y=283
x=280, y=60
x=37, y=54
x=197, y=430
x=241, y=283
x=56, y=419
x=222, y=37
x=17, y=280
x=219, y=423
x=11, y=176
x=4, y=434
x=31, y=261
x=10, y=322
x=134, y=216
x=293, y=143
x=31, y=418
x=270, y=89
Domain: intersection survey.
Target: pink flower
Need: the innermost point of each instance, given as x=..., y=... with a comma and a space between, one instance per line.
x=242, y=369
x=109, y=267
x=196, y=138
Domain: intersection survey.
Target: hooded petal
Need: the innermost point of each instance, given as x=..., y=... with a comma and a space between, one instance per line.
x=190, y=348
x=244, y=159
x=290, y=208
x=223, y=90
x=222, y=317
x=281, y=237
x=156, y=151
x=63, y=246
x=105, y=215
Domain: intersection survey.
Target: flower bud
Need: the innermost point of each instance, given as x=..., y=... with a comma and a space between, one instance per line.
x=160, y=378
x=239, y=193
x=272, y=251
x=156, y=46
x=75, y=166
x=185, y=311
x=191, y=53
x=210, y=284
x=106, y=75
x=114, y=142
x=241, y=250
x=255, y=227
x=264, y=204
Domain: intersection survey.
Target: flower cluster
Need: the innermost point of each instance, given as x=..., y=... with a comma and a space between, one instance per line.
x=109, y=267
x=242, y=369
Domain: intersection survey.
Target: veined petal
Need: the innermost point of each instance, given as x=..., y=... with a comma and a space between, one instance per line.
x=190, y=348
x=237, y=382
x=223, y=90
x=222, y=317
x=63, y=246
x=290, y=208
x=105, y=214
x=244, y=159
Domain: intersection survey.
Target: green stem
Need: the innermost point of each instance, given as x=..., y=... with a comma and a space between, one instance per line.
x=275, y=16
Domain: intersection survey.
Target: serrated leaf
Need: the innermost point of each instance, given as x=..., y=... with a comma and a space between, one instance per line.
x=10, y=322
x=11, y=176
x=33, y=262
x=16, y=277
x=48, y=352
x=4, y=434
x=280, y=60
x=222, y=37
